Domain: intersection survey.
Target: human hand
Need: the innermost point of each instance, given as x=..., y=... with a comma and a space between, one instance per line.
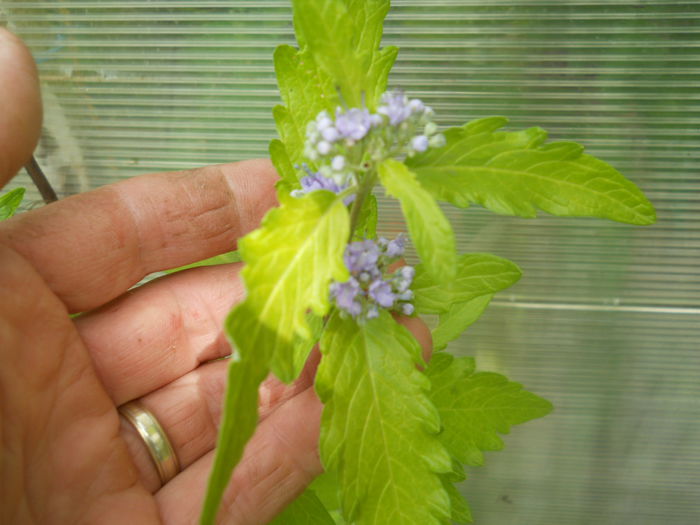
x=67, y=455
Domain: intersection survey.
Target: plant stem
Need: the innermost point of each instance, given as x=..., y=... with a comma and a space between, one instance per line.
x=40, y=181
x=368, y=182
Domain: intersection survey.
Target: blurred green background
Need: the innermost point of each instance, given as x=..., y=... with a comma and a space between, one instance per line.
x=606, y=320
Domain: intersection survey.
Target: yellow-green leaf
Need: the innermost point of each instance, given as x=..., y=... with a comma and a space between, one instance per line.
x=431, y=232
x=514, y=173
x=379, y=430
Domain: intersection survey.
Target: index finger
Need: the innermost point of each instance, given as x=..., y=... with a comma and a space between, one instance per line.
x=91, y=248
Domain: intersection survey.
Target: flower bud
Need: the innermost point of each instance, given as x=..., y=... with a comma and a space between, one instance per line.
x=420, y=143
x=330, y=134
x=338, y=163
x=416, y=105
x=407, y=309
x=437, y=141
x=324, y=148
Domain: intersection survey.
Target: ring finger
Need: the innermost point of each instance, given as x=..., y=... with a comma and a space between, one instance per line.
x=189, y=411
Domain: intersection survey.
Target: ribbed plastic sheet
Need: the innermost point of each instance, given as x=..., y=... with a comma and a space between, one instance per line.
x=606, y=320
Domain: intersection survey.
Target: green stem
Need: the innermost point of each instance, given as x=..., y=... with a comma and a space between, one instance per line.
x=365, y=188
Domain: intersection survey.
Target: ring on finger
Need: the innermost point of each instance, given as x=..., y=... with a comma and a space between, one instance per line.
x=155, y=439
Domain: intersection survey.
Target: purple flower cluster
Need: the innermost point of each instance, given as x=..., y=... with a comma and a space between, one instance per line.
x=368, y=288
x=315, y=181
x=340, y=144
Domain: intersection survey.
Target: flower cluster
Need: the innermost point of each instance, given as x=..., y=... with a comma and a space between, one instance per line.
x=343, y=145
x=368, y=288
x=315, y=181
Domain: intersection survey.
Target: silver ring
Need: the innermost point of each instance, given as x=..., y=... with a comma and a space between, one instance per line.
x=155, y=439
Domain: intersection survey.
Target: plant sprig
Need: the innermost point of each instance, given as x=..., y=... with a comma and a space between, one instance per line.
x=395, y=431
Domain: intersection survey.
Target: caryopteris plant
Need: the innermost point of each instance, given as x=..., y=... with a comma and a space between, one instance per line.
x=395, y=431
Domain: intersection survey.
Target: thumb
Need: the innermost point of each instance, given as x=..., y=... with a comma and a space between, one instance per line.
x=20, y=105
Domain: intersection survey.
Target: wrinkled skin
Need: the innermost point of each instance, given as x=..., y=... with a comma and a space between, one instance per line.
x=67, y=457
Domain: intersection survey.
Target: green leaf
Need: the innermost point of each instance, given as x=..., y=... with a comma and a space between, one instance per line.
x=461, y=512
x=514, y=173
x=367, y=222
x=477, y=274
x=475, y=406
x=378, y=74
x=240, y=417
x=378, y=428
x=457, y=319
x=282, y=163
x=329, y=35
x=327, y=489
x=430, y=230
x=303, y=346
x=9, y=202
x=307, y=509
x=343, y=37
x=224, y=258
x=306, y=90
x=290, y=261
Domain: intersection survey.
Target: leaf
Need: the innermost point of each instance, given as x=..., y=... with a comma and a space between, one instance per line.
x=477, y=274
x=306, y=90
x=328, y=33
x=239, y=419
x=378, y=428
x=367, y=223
x=378, y=74
x=513, y=173
x=475, y=406
x=327, y=490
x=290, y=261
x=461, y=512
x=303, y=346
x=223, y=258
x=307, y=509
x=343, y=37
x=459, y=506
x=282, y=163
x=430, y=230
x=457, y=319
x=9, y=202
x=368, y=16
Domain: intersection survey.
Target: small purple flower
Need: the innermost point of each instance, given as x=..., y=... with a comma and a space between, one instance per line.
x=395, y=107
x=330, y=134
x=372, y=311
x=407, y=308
x=353, y=124
x=316, y=181
x=396, y=247
x=380, y=291
x=362, y=256
x=416, y=105
x=403, y=278
x=323, y=121
x=405, y=296
x=407, y=272
x=346, y=296
x=420, y=143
